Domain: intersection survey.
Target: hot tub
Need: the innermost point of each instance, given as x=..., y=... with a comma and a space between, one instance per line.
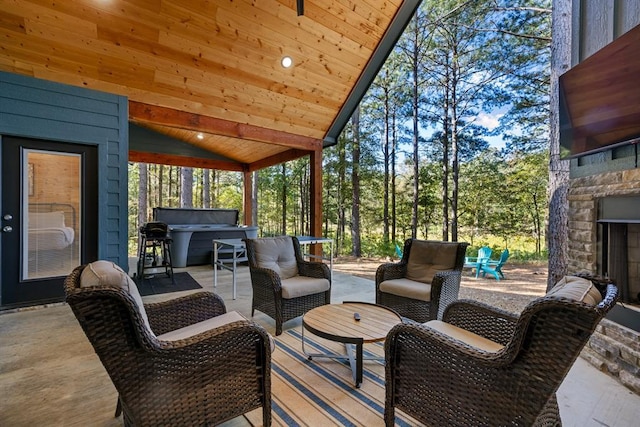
x=193, y=231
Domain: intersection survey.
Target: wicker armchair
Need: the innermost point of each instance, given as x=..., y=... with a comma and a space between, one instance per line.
x=424, y=282
x=284, y=285
x=181, y=362
x=483, y=366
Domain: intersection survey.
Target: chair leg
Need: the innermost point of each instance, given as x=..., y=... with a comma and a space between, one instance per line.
x=389, y=415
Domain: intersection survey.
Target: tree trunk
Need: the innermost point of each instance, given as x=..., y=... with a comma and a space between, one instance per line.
x=206, y=188
x=254, y=199
x=186, y=182
x=454, y=149
x=557, y=233
x=170, y=186
x=143, y=202
x=341, y=197
x=355, y=185
x=394, y=142
x=160, y=170
x=386, y=153
x=283, y=199
x=416, y=159
x=215, y=181
x=445, y=164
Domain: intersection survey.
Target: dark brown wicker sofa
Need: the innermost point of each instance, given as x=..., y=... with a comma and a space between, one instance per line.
x=482, y=366
x=182, y=362
x=424, y=282
x=285, y=286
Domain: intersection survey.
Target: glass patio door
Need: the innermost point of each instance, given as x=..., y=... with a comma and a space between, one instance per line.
x=44, y=217
x=51, y=240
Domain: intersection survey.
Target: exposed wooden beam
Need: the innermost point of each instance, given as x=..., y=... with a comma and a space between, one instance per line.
x=146, y=113
x=277, y=159
x=194, y=162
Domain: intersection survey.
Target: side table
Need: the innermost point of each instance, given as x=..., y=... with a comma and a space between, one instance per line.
x=234, y=247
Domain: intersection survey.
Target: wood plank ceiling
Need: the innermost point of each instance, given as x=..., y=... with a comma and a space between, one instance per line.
x=212, y=67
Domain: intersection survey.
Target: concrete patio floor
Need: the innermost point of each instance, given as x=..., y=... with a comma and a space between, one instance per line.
x=50, y=376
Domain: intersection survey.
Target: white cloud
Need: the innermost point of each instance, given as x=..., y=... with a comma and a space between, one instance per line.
x=489, y=121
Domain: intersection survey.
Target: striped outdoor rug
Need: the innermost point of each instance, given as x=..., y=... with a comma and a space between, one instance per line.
x=321, y=392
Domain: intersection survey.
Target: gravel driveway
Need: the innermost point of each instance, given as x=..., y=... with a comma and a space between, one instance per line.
x=522, y=283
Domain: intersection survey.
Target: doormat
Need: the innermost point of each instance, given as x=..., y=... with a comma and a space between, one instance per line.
x=161, y=284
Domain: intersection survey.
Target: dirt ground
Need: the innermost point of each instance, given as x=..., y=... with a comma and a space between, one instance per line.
x=522, y=283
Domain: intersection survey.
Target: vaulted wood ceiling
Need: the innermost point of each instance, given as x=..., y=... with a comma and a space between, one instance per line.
x=212, y=67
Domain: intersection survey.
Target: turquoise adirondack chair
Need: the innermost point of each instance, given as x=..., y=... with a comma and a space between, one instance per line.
x=398, y=251
x=495, y=267
x=484, y=254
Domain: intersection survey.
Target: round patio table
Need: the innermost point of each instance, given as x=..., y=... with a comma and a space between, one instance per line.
x=337, y=322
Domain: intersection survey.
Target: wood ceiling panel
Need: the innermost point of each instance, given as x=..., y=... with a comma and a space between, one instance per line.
x=238, y=149
x=274, y=50
x=219, y=59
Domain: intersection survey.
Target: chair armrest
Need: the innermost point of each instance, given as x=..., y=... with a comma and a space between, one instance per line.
x=410, y=346
x=482, y=319
x=445, y=287
x=389, y=271
x=224, y=339
x=179, y=312
x=314, y=269
x=265, y=277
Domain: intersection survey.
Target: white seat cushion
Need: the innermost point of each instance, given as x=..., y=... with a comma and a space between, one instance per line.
x=465, y=336
x=107, y=273
x=407, y=288
x=300, y=286
x=207, y=325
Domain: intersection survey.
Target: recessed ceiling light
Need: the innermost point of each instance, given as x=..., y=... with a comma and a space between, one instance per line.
x=200, y=136
x=287, y=61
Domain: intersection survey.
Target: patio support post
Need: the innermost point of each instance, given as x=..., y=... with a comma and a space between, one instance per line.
x=247, y=199
x=315, y=162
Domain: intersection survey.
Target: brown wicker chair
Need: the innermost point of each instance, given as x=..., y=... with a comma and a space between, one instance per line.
x=497, y=369
x=285, y=286
x=424, y=282
x=166, y=375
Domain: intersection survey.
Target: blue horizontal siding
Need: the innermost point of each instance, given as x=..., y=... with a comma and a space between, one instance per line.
x=40, y=109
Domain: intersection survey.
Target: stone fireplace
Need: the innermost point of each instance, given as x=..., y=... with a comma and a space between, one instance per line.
x=604, y=238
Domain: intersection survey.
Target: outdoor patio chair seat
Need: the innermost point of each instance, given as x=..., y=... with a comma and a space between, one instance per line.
x=482, y=366
x=285, y=286
x=424, y=282
x=180, y=362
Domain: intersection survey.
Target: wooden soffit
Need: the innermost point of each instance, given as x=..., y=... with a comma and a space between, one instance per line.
x=213, y=68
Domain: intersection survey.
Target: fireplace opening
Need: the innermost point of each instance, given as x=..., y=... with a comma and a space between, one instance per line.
x=621, y=260
x=619, y=254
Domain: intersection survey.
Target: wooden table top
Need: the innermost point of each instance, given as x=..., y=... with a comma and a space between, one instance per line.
x=336, y=321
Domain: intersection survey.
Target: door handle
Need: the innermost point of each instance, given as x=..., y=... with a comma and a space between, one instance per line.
x=7, y=229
